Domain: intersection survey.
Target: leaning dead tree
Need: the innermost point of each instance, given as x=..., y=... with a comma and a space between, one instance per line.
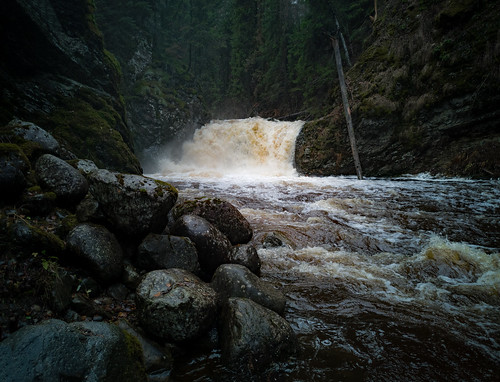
x=347, y=109
x=374, y=17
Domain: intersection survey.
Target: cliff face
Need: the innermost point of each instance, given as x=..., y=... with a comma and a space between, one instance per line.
x=425, y=96
x=55, y=72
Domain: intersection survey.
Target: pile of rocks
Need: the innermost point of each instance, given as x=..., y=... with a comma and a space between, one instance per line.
x=186, y=266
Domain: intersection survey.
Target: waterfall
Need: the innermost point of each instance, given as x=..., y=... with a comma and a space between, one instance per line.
x=240, y=147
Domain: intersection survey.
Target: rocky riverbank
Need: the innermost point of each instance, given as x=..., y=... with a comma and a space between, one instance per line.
x=97, y=263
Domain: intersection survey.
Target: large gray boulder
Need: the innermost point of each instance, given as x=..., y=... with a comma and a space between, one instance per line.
x=222, y=214
x=175, y=305
x=234, y=280
x=212, y=245
x=61, y=178
x=83, y=351
x=252, y=336
x=34, y=133
x=98, y=250
x=166, y=251
x=133, y=204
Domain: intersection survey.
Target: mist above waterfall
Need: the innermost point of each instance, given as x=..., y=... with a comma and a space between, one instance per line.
x=240, y=147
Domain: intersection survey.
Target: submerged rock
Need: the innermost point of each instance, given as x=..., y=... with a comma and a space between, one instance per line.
x=82, y=351
x=212, y=245
x=234, y=280
x=166, y=251
x=222, y=214
x=252, y=336
x=175, y=305
x=98, y=250
x=60, y=177
x=133, y=204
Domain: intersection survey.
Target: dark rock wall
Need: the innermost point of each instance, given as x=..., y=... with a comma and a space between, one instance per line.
x=54, y=71
x=424, y=96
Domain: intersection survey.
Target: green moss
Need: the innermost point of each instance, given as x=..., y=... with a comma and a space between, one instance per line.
x=11, y=148
x=162, y=186
x=127, y=364
x=88, y=125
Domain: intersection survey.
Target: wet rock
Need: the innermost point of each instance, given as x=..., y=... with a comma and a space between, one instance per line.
x=253, y=336
x=234, y=280
x=118, y=291
x=14, y=167
x=212, y=245
x=222, y=214
x=38, y=203
x=60, y=177
x=130, y=277
x=32, y=239
x=88, y=210
x=56, y=351
x=98, y=250
x=157, y=360
x=133, y=204
x=175, y=305
x=33, y=133
x=85, y=166
x=166, y=251
x=60, y=290
x=245, y=254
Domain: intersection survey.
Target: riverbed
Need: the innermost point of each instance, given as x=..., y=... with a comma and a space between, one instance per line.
x=386, y=279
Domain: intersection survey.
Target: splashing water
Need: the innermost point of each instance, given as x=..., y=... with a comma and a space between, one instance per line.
x=386, y=279
x=249, y=147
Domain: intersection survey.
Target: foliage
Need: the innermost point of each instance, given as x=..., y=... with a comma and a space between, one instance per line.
x=272, y=54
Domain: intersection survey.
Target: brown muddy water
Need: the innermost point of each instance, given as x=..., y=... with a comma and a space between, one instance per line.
x=387, y=279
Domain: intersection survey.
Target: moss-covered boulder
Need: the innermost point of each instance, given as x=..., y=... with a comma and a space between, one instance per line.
x=61, y=178
x=133, y=205
x=97, y=250
x=83, y=351
x=222, y=214
x=175, y=305
x=33, y=133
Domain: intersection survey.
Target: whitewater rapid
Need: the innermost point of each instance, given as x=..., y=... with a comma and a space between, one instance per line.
x=386, y=279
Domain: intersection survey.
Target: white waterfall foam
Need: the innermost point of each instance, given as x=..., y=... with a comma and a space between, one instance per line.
x=246, y=147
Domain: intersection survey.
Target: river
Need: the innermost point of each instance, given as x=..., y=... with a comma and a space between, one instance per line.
x=386, y=279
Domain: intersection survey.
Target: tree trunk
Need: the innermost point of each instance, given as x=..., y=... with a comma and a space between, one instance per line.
x=347, y=109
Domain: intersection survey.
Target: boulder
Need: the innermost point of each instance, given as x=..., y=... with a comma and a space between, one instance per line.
x=14, y=167
x=98, y=250
x=234, y=280
x=33, y=133
x=81, y=351
x=212, y=245
x=175, y=305
x=133, y=204
x=252, y=336
x=166, y=251
x=157, y=360
x=222, y=214
x=27, y=238
x=245, y=254
x=85, y=166
x=60, y=177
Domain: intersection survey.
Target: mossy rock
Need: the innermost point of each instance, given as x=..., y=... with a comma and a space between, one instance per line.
x=91, y=128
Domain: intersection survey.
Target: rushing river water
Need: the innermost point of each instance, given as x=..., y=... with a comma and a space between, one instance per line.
x=387, y=279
